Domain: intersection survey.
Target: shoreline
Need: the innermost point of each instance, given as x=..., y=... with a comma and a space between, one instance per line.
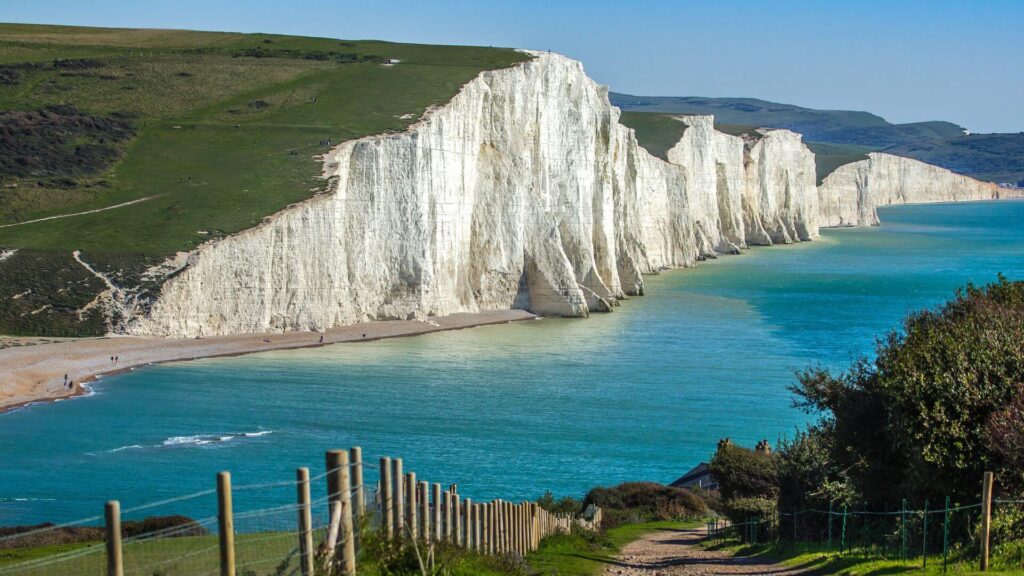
x=34, y=374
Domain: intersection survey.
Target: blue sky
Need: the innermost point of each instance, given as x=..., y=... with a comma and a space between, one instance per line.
x=907, y=60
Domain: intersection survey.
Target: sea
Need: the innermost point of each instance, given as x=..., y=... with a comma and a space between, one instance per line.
x=512, y=411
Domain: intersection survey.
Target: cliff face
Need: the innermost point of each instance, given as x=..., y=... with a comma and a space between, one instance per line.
x=850, y=195
x=523, y=192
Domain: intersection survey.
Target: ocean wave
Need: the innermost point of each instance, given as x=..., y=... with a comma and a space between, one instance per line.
x=193, y=441
x=130, y=447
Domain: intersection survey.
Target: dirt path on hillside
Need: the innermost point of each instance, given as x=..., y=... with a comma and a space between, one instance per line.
x=58, y=216
x=679, y=553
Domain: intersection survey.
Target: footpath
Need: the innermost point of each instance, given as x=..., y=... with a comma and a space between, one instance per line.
x=678, y=552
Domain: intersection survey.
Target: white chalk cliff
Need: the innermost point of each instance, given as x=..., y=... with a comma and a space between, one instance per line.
x=850, y=195
x=524, y=191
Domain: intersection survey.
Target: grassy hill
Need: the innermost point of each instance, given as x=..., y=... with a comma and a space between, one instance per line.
x=199, y=134
x=837, y=136
x=657, y=133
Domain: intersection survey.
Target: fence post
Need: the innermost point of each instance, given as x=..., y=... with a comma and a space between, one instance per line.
x=398, y=498
x=482, y=535
x=225, y=524
x=842, y=541
x=348, y=531
x=305, y=521
x=457, y=516
x=945, y=535
x=447, y=499
x=356, y=456
x=424, y=498
x=115, y=561
x=903, y=530
x=924, y=538
x=410, y=505
x=387, y=525
x=986, y=518
x=436, y=528
x=469, y=524
x=830, y=526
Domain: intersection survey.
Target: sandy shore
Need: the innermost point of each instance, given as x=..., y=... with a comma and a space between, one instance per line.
x=33, y=373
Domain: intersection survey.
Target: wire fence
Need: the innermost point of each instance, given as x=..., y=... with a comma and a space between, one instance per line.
x=301, y=535
x=930, y=535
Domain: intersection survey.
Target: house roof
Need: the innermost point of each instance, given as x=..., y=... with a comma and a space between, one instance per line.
x=699, y=471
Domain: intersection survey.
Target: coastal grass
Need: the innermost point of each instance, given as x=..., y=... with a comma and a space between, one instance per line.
x=817, y=559
x=829, y=157
x=584, y=553
x=657, y=133
x=228, y=129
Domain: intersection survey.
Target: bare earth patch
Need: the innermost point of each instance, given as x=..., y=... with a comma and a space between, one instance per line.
x=670, y=552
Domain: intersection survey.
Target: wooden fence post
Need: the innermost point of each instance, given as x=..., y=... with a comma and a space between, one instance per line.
x=399, y=498
x=410, y=505
x=348, y=530
x=225, y=524
x=478, y=527
x=356, y=456
x=468, y=541
x=115, y=560
x=386, y=522
x=483, y=527
x=986, y=518
x=448, y=535
x=488, y=528
x=435, y=518
x=305, y=521
x=456, y=517
x=425, y=510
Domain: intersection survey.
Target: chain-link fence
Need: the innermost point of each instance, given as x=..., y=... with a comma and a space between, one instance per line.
x=929, y=535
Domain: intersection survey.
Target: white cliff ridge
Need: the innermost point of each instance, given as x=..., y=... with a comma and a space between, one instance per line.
x=851, y=194
x=523, y=192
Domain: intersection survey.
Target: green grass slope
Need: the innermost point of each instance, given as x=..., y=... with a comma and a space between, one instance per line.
x=207, y=133
x=656, y=133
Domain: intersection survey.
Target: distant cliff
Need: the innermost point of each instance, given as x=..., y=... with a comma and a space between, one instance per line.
x=850, y=195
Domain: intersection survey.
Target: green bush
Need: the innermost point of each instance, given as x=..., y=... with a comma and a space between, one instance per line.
x=917, y=422
x=744, y=473
x=633, y=502
x=565, y=505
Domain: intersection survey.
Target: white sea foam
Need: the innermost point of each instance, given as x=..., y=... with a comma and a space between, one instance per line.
x=193, y=440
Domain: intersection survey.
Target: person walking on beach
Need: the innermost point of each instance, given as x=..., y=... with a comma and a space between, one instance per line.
x=321, y=338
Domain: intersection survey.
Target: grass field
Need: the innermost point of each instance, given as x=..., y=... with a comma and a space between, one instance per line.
x=226, y=132
x=656, y=133
x=820, y=561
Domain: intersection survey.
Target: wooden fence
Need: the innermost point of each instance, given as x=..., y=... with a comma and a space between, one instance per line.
x=403, y=508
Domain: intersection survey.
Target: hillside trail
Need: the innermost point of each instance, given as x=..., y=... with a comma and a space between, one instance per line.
x=93, y=211
x=677, y=552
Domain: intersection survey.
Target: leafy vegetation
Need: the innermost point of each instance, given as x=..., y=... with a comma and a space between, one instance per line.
x=927, y=416
x=208, y=132
x=941, y=402
x=637, y=502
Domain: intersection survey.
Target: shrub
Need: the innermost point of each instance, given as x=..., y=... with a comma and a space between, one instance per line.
x=565, y=505
x=744, y=473
x=938, y=406
x=644, y=502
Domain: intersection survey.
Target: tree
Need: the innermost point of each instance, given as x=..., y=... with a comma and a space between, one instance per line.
x=926, y=417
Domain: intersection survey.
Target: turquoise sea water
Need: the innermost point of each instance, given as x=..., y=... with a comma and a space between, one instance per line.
x=509, y=411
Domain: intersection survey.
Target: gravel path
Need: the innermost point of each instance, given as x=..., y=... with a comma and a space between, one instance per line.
x=678, y=553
